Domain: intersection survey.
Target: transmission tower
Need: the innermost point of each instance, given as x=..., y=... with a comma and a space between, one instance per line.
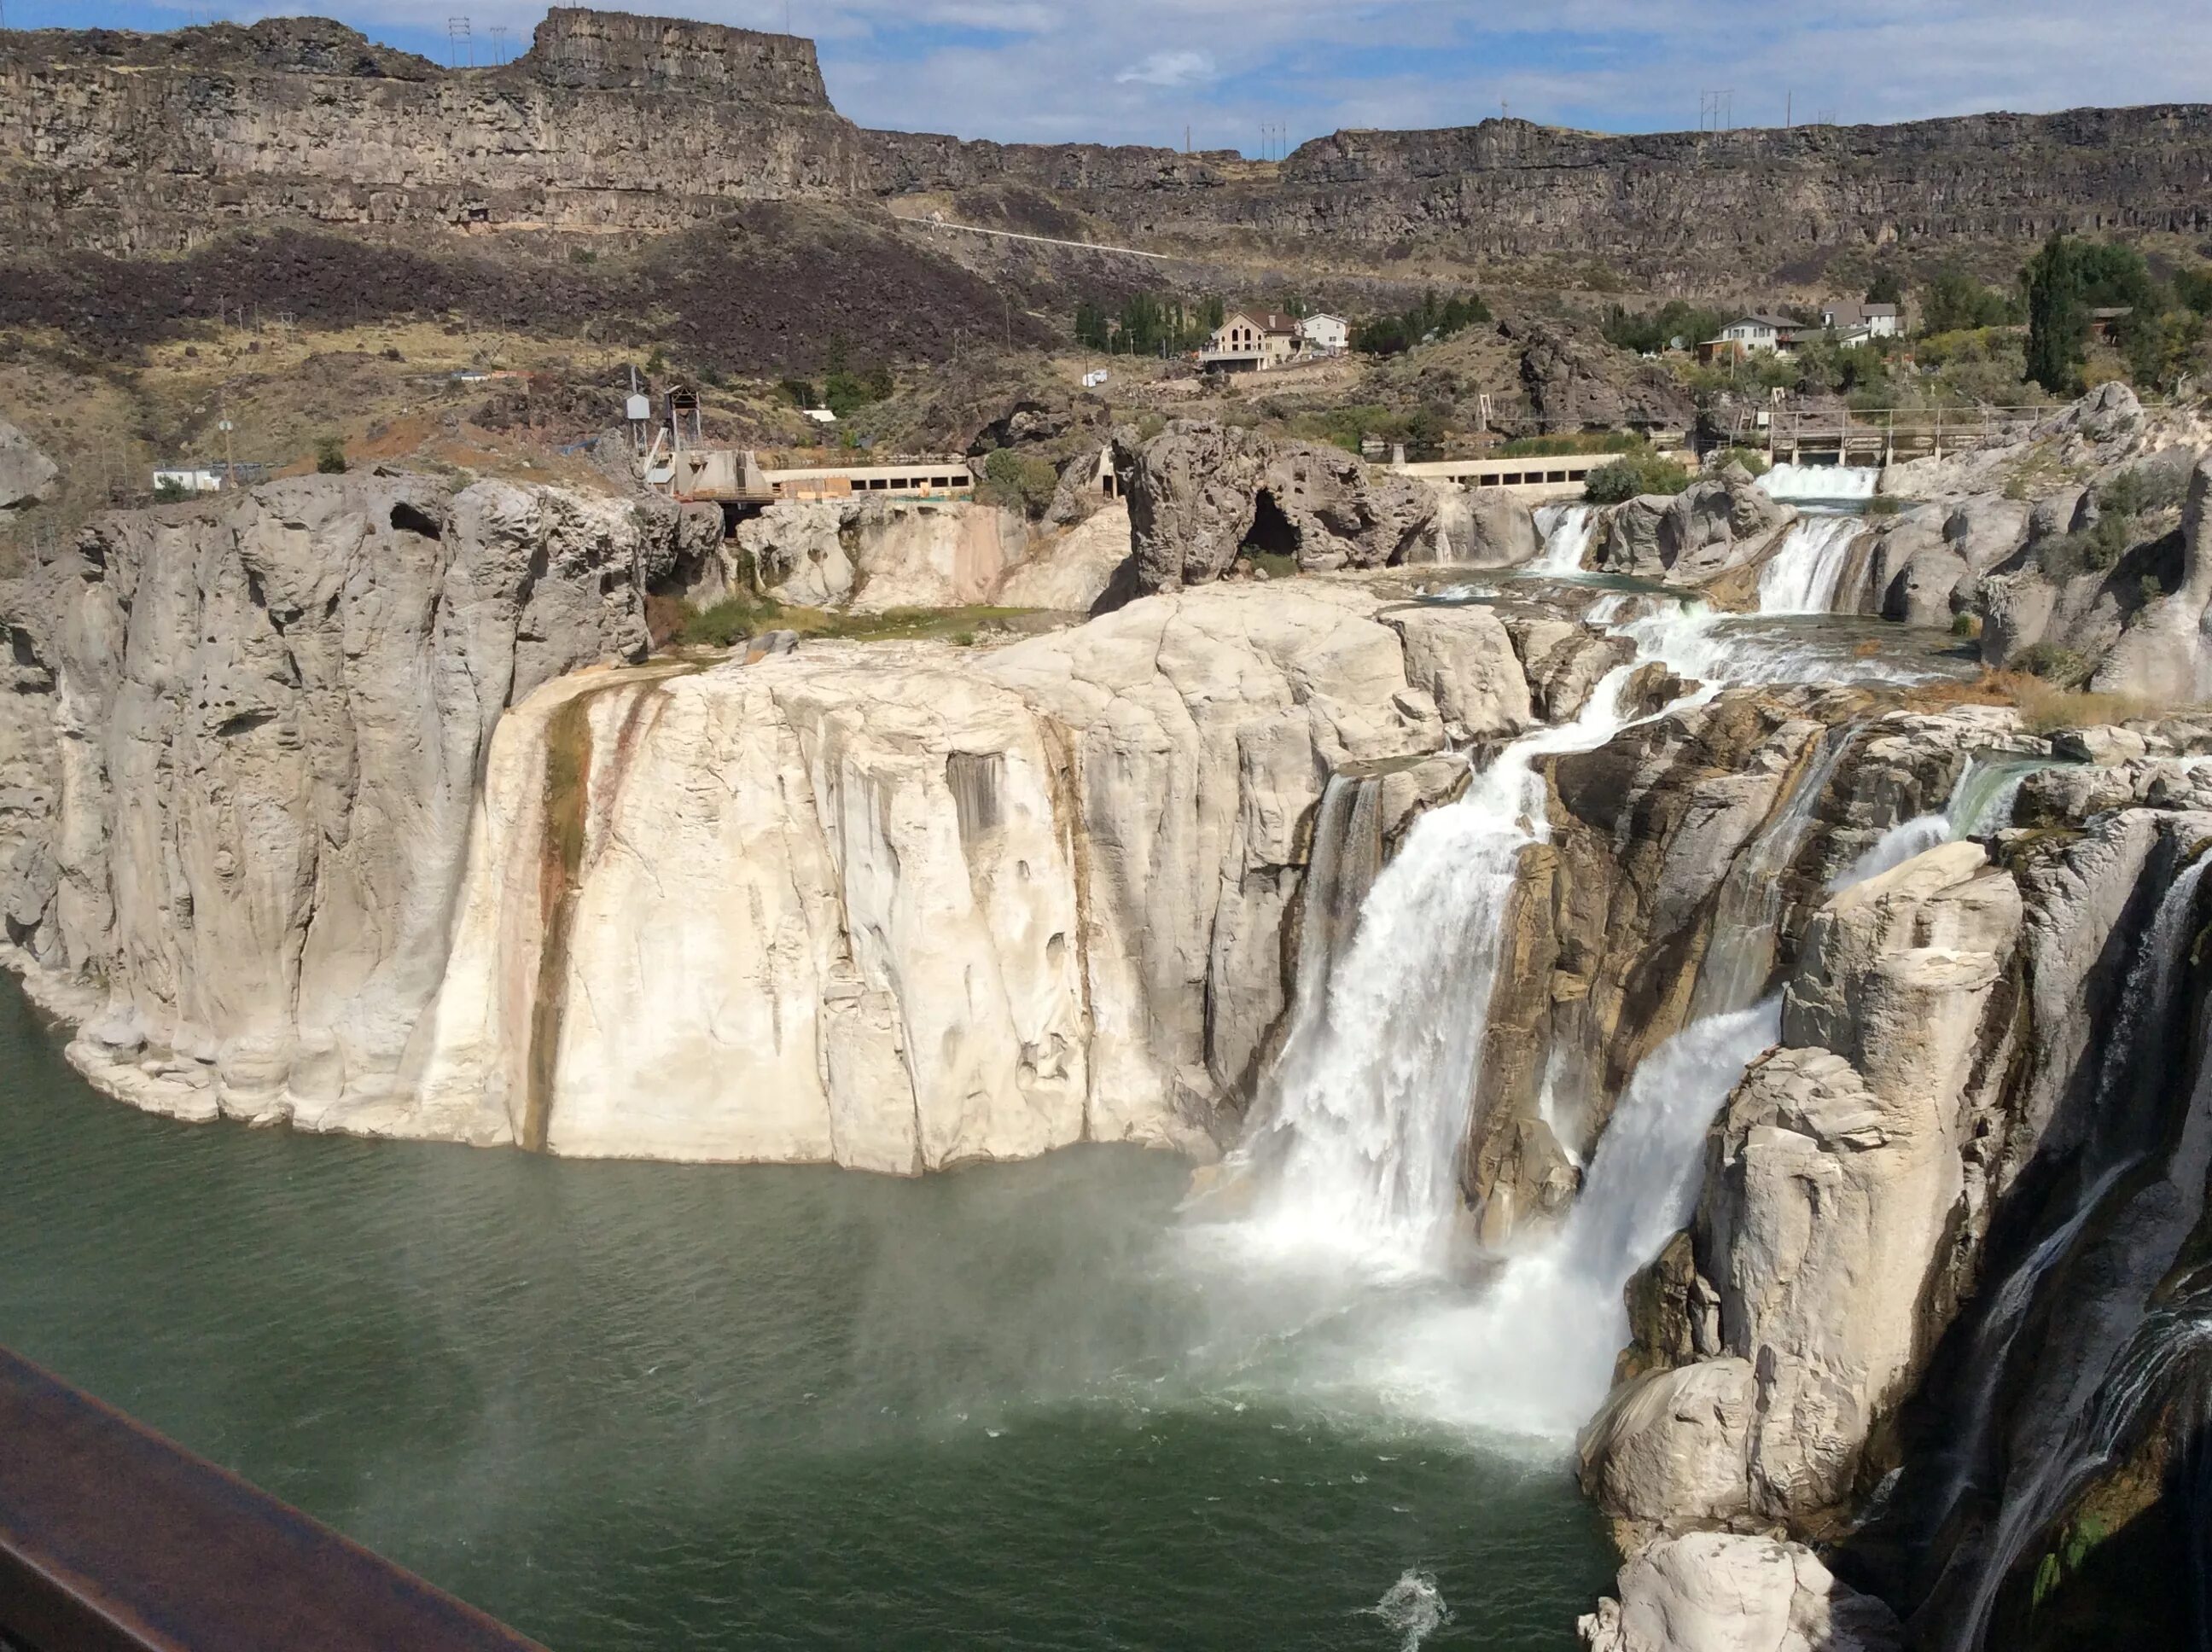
x=458, y=39
x=498, y=43
x=1716, y=110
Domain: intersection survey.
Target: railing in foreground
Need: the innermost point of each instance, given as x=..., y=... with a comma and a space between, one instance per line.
x=112, y=1540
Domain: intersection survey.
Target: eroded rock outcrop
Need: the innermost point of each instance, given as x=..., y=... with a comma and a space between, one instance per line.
x=1200, y=493
x=890, y=906
x=871, y=555
x=243, y=749
x=1693, y=537
x=27, y=476
x=1713, y=1592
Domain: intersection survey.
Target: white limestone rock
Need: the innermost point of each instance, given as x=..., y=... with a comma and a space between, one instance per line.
x=1717, y=1591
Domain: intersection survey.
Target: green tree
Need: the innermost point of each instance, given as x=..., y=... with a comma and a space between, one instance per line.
x=2057, y=315
x=1885, y=288
x=330, y=456
x=1091, y=329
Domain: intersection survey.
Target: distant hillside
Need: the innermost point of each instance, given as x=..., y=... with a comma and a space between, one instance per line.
x=131, y=144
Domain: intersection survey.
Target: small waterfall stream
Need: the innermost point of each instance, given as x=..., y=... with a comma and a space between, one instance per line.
x=1566, y=530
x=1803, y=575
x=1980, y=803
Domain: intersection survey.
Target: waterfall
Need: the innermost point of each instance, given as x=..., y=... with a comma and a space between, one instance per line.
x=1833, y=483
x=1983, y=800
x=1566, y=530
x=1979, y=804
x=1533, y=1356
x=1741, y=955
x=1358, y=1152
x=1347, y=852
x=1801, y=577
x=2101, y=1419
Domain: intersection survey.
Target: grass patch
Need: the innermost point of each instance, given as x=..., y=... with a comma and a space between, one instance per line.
x=738, y=619
x=1279, y=565
x=2047, y=706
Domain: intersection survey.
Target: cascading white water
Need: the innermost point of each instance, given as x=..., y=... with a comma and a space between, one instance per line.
x=1566, y=530
x=1803, y=577
x=1359, y=1154
x=1534, y=1354
x=1836, y=482
x=1980, y=802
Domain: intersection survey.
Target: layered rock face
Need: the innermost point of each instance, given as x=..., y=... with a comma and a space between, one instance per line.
x=243, y=746
x=873, y=556
x=124, y=142
x=890, y=907
x=612, y=121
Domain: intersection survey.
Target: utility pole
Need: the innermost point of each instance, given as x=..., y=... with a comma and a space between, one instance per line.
x=498, y=43
x=1789, y=99
x=456, y=36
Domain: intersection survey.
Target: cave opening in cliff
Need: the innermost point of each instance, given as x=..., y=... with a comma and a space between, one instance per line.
x=1272, y=533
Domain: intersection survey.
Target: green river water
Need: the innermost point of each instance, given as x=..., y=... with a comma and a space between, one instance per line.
x=627, y=1407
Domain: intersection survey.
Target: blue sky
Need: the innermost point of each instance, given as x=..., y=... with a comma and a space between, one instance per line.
x=1140, y=70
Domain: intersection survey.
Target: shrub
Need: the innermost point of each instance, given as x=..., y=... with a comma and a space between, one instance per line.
x=2062, y=668
x=330, y=456
x=1883, y=504
x=1587, y=442
x=1018, y=481
x=1966, y=625
x=728, y=622
x=1750, y=458
x=171, y=492
x=582, y=255
x=2139, y=490
x=1631, y=475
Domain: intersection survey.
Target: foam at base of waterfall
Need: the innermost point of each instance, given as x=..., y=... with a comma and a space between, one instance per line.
x=1838, y=483
x=1414, y=1606
x=1533, y=1356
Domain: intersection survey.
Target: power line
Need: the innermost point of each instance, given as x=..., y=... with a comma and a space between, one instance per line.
x=458, y=36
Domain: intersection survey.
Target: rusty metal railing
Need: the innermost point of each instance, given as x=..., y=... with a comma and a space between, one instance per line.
x=114, y=1539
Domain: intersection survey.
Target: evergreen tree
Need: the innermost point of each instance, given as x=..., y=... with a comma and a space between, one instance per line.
x=2058, y=316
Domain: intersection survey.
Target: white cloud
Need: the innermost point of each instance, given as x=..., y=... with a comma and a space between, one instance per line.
x=1170, y=69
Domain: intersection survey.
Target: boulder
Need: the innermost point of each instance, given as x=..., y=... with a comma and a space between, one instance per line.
x=27, y=476
x=1575, y=382
x=1674, y=1445
x=1071, y=570
x=1709, y=528
x=1480, y=528
x=874, y=555
x=1201, y=494
x=1717, y=1592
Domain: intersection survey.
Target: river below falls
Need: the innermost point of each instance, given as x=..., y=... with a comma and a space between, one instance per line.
x=630, y=1407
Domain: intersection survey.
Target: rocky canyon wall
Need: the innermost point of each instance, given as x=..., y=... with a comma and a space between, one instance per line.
x=133, y=142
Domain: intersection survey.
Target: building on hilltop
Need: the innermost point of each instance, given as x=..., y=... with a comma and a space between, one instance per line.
x=1854, y=323
x=1248, y=343
x=1755, y=335
x=1325, y=334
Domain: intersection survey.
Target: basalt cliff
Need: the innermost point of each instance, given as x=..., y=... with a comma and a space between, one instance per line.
x=135, y=143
